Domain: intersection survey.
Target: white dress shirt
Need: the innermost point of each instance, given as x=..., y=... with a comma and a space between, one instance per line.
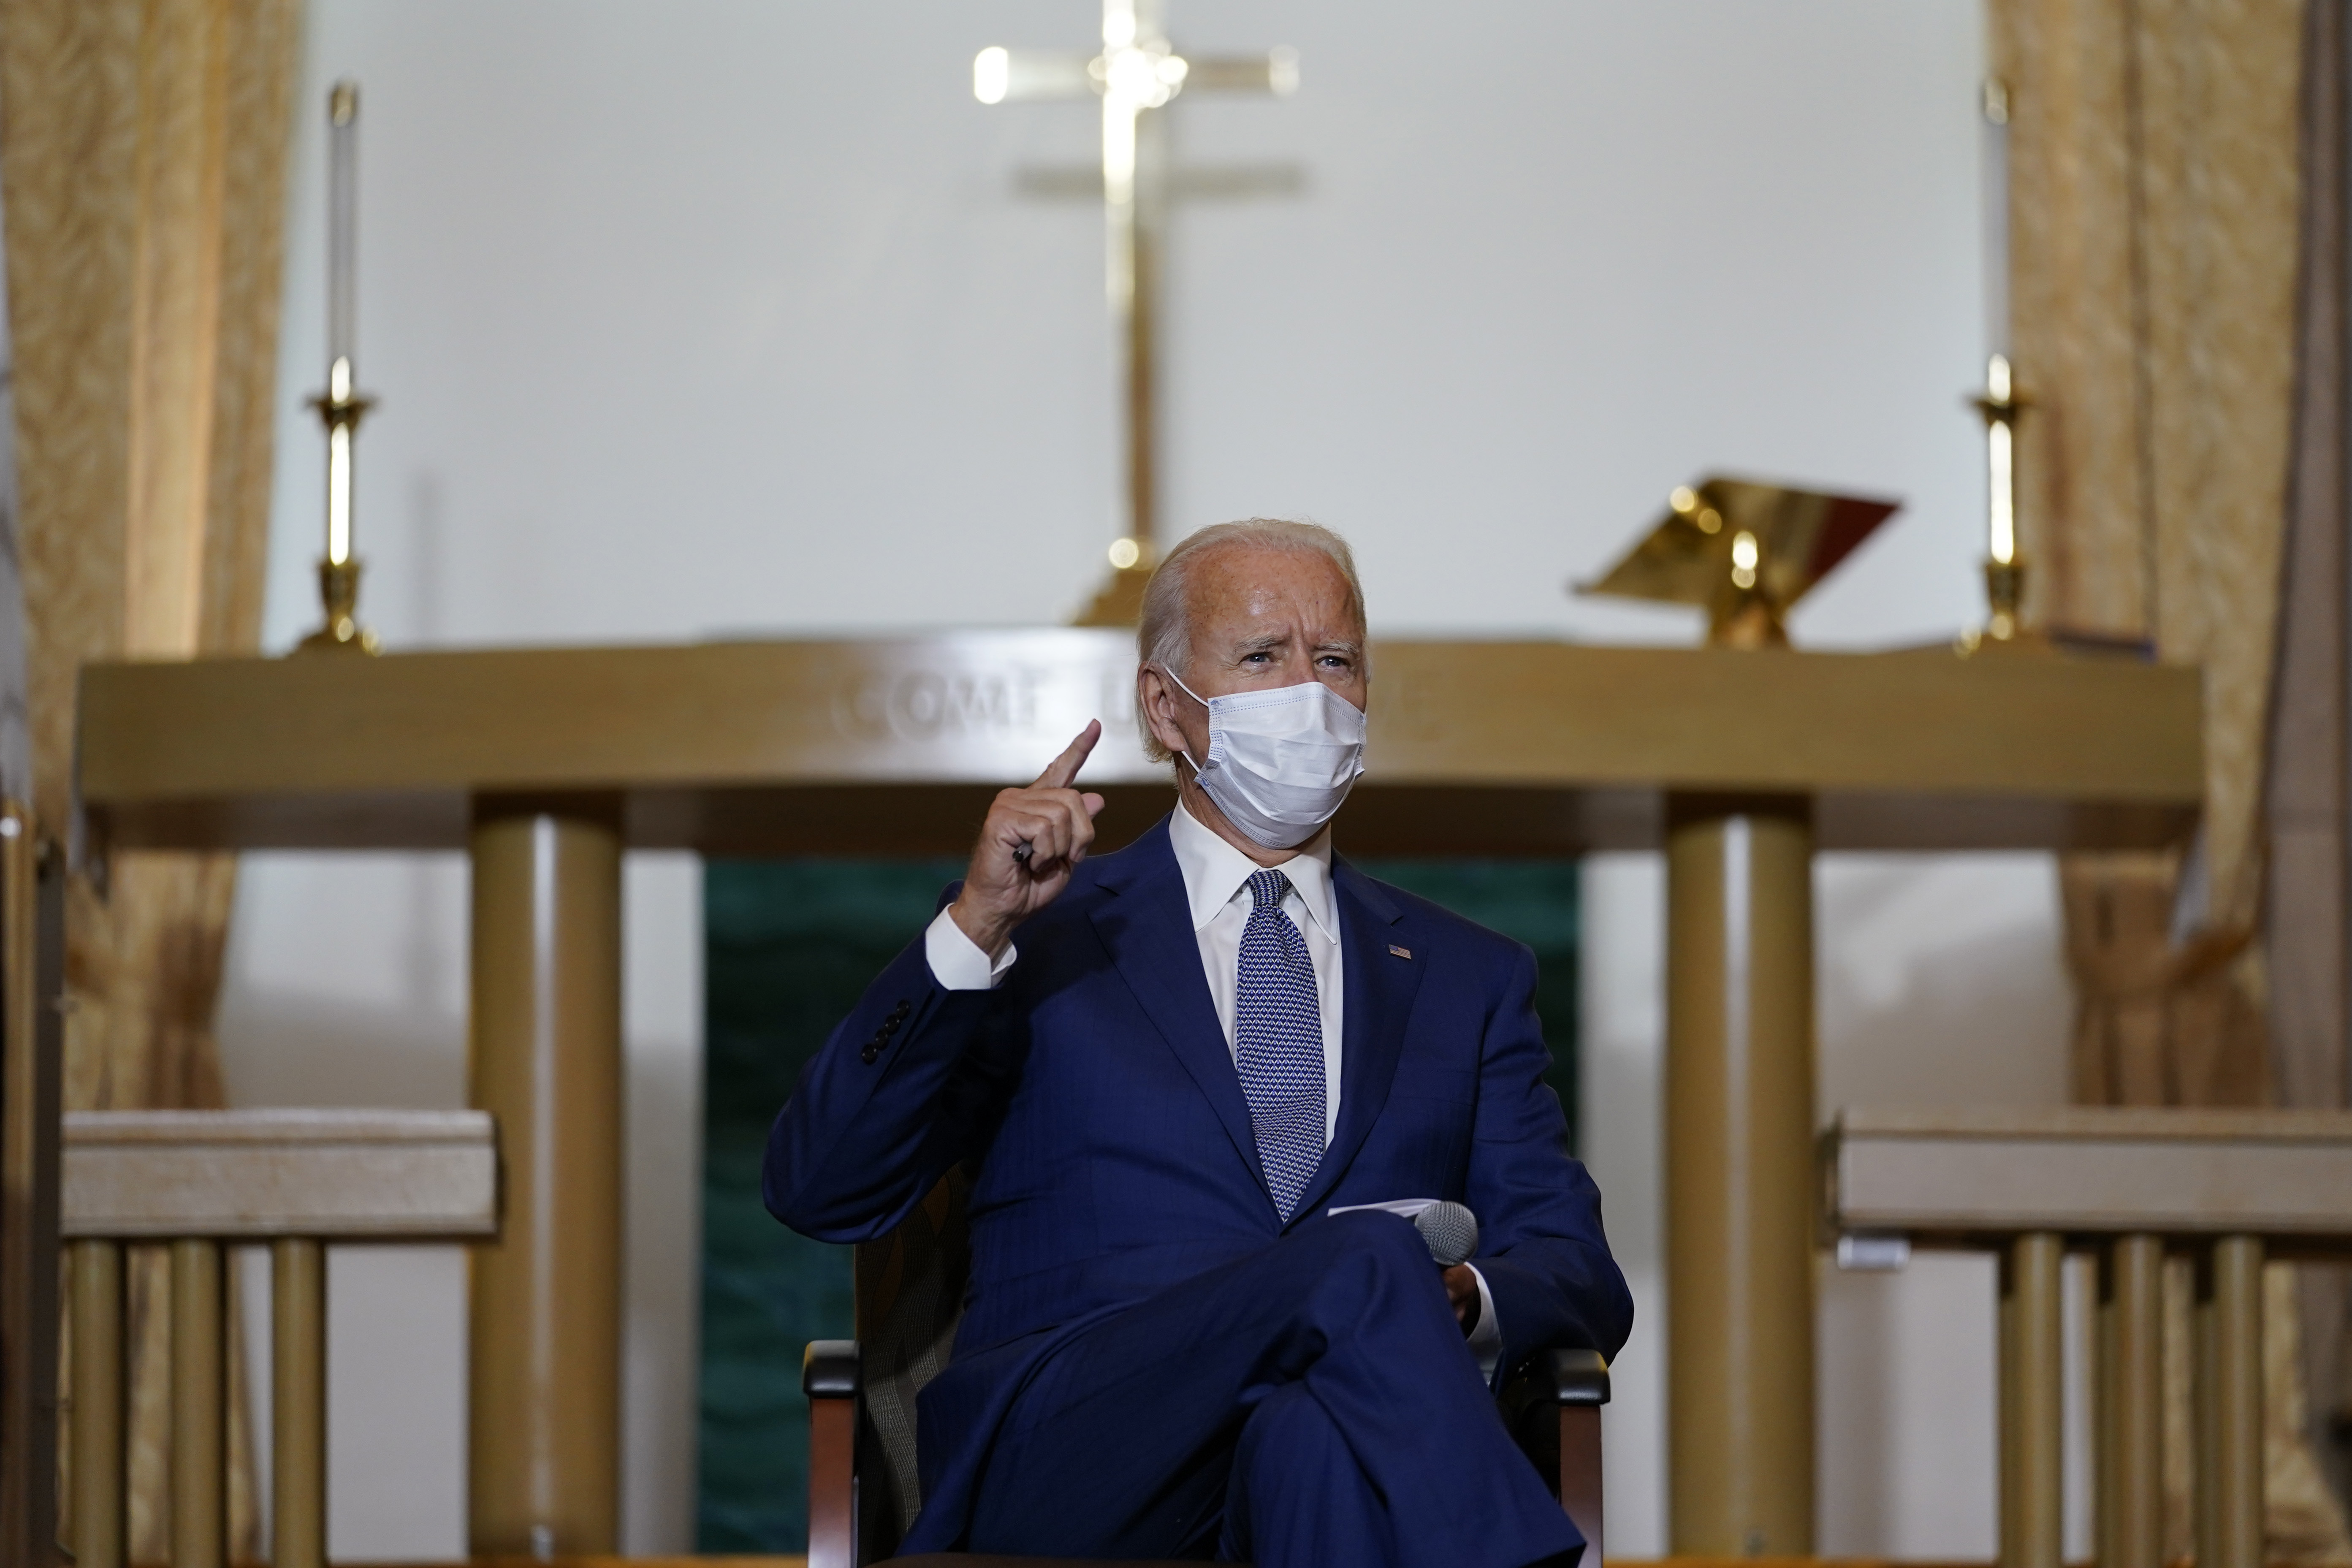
x=1216, y=886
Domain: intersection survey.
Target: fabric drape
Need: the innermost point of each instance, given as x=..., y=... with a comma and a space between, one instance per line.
x=2157, y=204
x=2155, y=200
x=2308, y=806
x=143, y=147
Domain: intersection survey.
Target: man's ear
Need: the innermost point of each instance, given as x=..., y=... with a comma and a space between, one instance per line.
x=1157, y=696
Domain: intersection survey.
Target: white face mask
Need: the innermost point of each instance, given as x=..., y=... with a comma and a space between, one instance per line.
x=1279, y=761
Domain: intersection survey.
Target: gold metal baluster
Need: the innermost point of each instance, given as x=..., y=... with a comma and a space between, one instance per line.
x=299, y=1396
x=99, y=1528
x=2131, y=1404
x=199, y=1406
x=2032, y=1431
x=2230, y=1404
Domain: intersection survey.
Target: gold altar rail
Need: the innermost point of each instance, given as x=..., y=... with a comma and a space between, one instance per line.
x=893, y=745
x=547, y=764
x=2226, y=1189
x=197, y=1182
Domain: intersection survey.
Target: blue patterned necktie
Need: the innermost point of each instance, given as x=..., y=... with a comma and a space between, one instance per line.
x=1278, y=1043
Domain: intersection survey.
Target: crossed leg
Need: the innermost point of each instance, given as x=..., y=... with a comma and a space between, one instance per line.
x=1312, y=1405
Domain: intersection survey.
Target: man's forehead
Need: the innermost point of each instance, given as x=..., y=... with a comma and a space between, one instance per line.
x=1253, y=580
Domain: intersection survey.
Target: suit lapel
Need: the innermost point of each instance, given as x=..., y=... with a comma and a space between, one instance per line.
x=1147, y=925
x=1379, y=988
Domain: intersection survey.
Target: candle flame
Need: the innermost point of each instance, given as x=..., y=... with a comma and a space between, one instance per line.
x=991, y=74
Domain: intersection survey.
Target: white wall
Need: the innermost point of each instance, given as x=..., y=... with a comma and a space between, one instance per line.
x=724, y=316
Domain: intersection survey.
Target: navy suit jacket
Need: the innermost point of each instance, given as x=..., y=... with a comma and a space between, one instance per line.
x=1094, y=1100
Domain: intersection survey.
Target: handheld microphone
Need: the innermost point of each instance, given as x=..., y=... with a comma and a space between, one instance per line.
x=1451, y=1231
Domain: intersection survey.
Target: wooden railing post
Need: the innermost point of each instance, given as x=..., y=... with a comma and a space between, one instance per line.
x=2230, y=1404
x=2131, y=1403
x=199, y=1406
x=297, y=1380
x=2033, y=1382
x=97, y=1508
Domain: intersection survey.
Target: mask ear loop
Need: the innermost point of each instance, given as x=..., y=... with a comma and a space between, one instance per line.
x=1187, y=752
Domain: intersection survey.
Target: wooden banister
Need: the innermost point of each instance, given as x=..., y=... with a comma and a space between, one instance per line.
x=2228, y=1189
x=251, y=1175
x=200, y=1181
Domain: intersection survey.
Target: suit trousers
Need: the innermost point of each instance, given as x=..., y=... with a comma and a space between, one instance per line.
x=1311, y=1405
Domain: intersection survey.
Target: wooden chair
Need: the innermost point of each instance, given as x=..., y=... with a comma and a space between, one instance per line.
x=863, y=1491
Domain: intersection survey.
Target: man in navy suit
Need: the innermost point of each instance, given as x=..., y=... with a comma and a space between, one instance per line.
x=1180, y=1077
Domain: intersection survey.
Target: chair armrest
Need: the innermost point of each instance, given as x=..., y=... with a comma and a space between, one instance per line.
x=1552, y=1406
x=829, y=1369
x=829, y=1377
x=1573, y=1377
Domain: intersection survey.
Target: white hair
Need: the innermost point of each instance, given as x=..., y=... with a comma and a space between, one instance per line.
x=1164, y=635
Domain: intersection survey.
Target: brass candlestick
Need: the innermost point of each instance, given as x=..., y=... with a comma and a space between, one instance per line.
x=339, y=569
x=340, y=407
x=2001, y=406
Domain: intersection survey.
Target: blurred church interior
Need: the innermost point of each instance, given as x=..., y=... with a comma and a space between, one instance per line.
x=531, y=529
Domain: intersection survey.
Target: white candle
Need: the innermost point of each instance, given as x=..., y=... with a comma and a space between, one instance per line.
x=2000, y=541
x=1995, y=216
x=342, y=233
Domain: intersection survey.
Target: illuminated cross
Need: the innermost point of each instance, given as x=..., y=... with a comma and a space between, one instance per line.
x=1136, y=75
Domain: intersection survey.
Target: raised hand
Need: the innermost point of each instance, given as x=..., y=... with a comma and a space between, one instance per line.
x=1033, y=838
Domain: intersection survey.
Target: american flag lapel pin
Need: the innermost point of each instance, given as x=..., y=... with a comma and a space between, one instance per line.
x=1400, y=951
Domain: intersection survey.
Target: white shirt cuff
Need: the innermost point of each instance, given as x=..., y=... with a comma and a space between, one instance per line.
x=1486, y=1338
x=957, y=963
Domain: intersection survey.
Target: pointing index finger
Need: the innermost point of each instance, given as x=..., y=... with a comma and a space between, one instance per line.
x=1063, y=768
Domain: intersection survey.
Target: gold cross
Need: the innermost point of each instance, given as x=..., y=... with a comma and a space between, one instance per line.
x=1136, y=74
